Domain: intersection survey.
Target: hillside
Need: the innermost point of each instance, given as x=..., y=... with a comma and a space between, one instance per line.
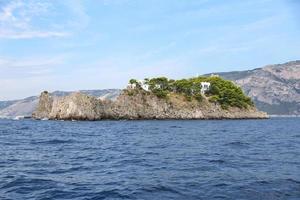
x=157, y=98
x=274, y=89
x=25, y=107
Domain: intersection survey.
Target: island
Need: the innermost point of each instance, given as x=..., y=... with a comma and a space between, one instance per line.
x=156, y=98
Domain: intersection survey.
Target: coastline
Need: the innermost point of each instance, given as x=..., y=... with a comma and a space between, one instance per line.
x=141, y=106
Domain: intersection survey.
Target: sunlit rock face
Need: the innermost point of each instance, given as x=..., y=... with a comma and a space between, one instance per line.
x=26, y=107
x=140, y=105
x=44, y=106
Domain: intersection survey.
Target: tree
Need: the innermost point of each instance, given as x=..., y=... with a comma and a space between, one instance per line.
x=160, y=82
x=133, y=81
x=221, y=91
x=146, y=80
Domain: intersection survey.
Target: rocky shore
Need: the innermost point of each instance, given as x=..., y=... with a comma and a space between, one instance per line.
x=136, y=104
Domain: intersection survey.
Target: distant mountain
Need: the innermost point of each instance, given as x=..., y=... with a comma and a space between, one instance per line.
x=25, y=107
x=4, y=104
x=275, y=89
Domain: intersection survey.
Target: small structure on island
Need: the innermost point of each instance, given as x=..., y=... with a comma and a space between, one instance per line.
x=214, y=75
x=144, y=85
x=140, y=83
x=204, y=87
x=131, y=86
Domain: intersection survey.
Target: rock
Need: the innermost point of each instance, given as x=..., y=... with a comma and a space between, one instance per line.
x=76, y=106
x=140, y=105
x=44, y=106
x=148, y=106
x=26, y=107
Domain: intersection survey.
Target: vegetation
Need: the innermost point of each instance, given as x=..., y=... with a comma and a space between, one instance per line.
x=221, y=91
x=159, y=86
x=133, y=81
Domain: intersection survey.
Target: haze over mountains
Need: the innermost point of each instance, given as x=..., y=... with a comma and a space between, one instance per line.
x=275, y=89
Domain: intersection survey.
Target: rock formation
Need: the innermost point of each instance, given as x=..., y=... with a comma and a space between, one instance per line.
x=26, y=107
x=137, y=104
x=44, y=106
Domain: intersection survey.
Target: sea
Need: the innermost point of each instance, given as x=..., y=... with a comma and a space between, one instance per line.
x=155, y=160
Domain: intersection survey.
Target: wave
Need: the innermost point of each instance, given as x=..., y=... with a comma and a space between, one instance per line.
x=238, y=144
x=29, y=183
x=54, y=141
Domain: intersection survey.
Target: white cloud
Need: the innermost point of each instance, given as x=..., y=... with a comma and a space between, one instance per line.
x=24, y=77
x=265, y=23
x=29, y=67
x=78, y=11
x=20, y=19
x=30, y=34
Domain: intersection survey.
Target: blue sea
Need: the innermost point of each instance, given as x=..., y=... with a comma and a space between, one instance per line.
x=229, y=159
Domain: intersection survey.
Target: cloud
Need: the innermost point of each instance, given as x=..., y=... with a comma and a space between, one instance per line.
x=265, y=23
x=30, y=34
x=23, y=77
x=29, y=67
x=20, y=19
x=114, y=2
x=80, y=19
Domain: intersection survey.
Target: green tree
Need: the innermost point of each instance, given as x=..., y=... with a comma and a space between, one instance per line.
x=221, y=91
x=160, y=82
x=133, y=81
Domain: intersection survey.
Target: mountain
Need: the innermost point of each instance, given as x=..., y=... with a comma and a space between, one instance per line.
x=4, y=104
x=25, y=107
x=274, y=89
x=15, y=108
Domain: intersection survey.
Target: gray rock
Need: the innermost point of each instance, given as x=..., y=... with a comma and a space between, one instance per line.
x=140, y=105
x=44, y=107
x=25, y=107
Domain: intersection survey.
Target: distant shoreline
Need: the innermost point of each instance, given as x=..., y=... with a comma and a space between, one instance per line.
x=287, y=116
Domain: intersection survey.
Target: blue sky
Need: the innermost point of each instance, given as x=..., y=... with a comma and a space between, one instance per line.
x=97, y=44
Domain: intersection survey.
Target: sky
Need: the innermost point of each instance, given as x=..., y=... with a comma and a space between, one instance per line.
x=99, y=44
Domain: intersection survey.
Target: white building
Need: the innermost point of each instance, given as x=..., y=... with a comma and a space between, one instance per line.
x=142, y=83
x=131, y=86
x=214, y=75
x=204, y=87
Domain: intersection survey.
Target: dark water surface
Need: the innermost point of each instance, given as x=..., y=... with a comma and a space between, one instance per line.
x=242, y=159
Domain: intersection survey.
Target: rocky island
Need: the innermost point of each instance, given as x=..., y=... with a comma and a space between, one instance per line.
x=156, y=98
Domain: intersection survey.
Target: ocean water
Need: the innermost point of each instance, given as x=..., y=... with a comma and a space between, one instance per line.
x=230, y=159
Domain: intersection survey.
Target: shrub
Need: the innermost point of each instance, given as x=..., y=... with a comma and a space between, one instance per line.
x=160, y=93
x=159, y=83
x=198, y=97
x=188, y=97
x=214, y=99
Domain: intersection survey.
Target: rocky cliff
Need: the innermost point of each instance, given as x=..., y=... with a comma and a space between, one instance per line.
x=274, y=89
x=136, y=104
x=25, y=107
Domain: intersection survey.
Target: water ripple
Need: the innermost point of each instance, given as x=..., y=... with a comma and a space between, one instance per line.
x=256, y=159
